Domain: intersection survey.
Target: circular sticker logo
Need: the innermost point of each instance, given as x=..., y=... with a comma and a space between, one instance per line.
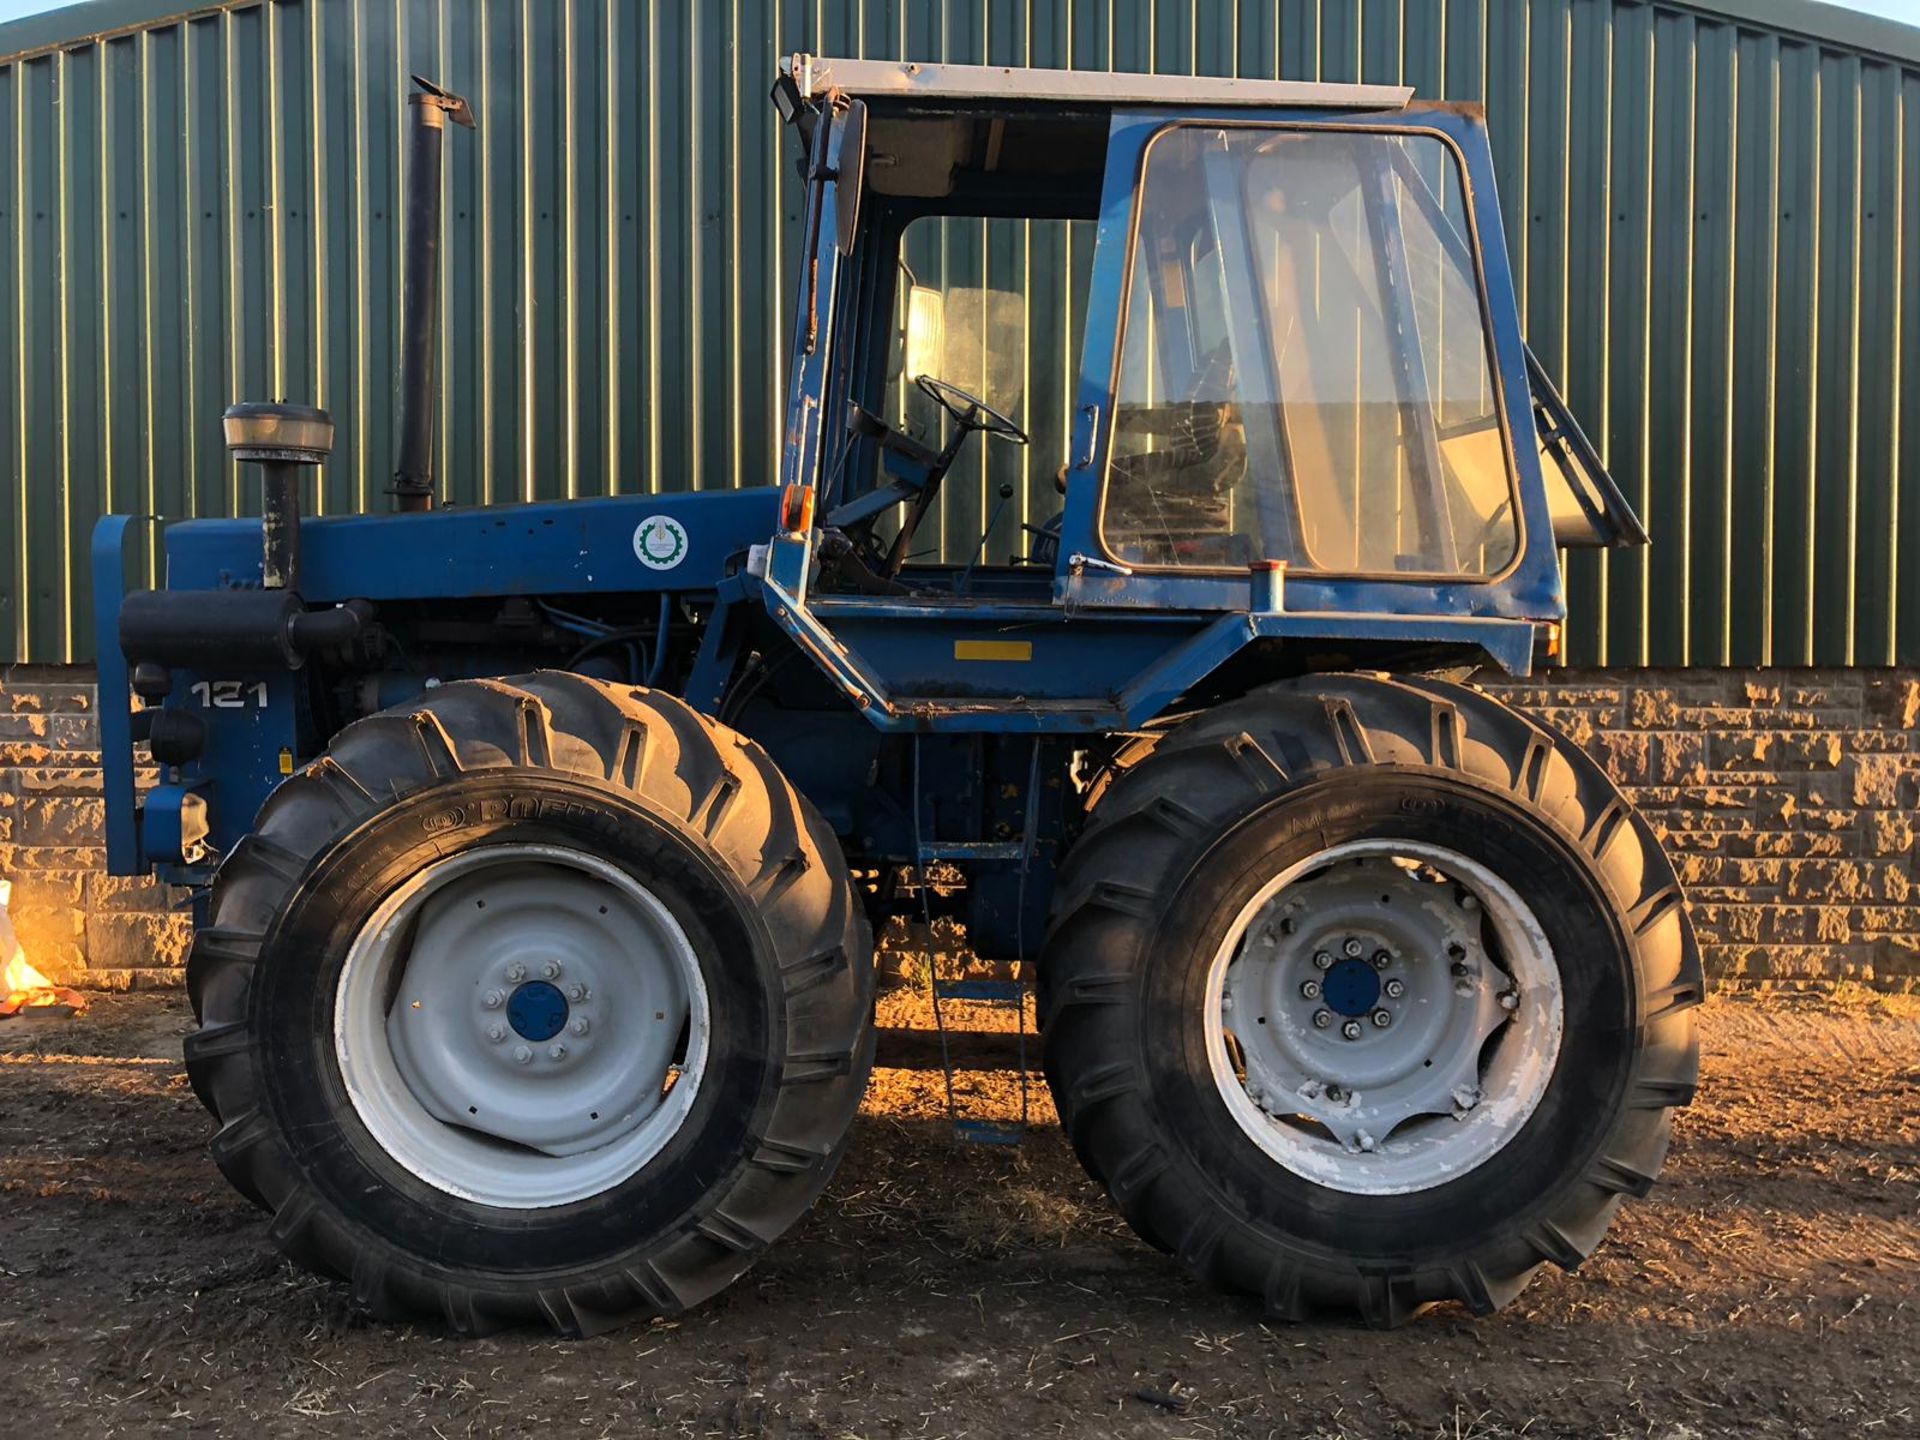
x=660, y=541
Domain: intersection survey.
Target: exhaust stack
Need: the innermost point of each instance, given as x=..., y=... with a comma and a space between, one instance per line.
x=412, y=487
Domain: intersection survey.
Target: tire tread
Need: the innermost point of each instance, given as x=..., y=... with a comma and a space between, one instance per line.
x=1165, y=789
x=657, y=749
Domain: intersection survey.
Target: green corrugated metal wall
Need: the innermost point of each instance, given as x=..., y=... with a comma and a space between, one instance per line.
x=1716, y=227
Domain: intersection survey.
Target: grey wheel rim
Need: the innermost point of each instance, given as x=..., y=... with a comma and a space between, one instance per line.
x=1384, y=1017
x=522, y=1025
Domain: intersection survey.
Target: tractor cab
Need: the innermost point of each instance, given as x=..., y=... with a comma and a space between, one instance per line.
x=1159, y=346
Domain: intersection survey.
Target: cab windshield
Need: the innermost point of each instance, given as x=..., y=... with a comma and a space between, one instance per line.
x=1304, y=371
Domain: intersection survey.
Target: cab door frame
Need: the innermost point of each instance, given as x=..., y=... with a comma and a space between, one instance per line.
x=1089, y=576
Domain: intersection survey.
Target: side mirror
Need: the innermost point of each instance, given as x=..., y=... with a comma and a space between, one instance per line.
x=926, y=345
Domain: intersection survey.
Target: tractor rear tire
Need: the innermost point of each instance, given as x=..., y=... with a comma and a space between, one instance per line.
x=1390, y=808
x=659, y=891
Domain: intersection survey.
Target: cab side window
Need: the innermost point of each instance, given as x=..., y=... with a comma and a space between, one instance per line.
x=1304, y=373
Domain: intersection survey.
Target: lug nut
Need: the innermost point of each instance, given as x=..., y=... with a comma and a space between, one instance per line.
x=516, y=972
x=550, y=970
x=522, y=1054
x=1465, y=1097
x=579, y=1026
x=557, y=1052
x=576, y=993
x=1460, y=972
x=1353, y=947
x=1288, y=925
x=1395, y=989
x=1336, y=1094
x=1351, y=1030
x=1382, y=1019
x=1309, y=989
x=493, y=1000
x=1322, y=960
x=1382, y=959
x=1469, y=903
x=1509, y=1000
x=496, y=1033
x=1322, y=1019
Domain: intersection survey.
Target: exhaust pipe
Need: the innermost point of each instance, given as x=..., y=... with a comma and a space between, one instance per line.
x=412, y=487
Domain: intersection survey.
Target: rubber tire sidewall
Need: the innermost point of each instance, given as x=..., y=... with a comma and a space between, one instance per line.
x=395, y=1211
x=1575, y=1115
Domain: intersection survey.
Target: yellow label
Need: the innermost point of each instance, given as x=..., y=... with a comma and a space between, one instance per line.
x=286, y=762
x=993, y=650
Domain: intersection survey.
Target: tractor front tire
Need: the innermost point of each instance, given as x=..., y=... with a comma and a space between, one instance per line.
x=1364, y=994
x=536, y=1001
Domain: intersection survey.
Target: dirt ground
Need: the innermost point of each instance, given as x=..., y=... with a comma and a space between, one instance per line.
x=1770, y=1287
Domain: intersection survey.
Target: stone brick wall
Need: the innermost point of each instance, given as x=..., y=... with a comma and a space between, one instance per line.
x=77, y=924
x=1789, y=799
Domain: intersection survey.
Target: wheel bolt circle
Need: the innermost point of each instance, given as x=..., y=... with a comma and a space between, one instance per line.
x=1395, y=988
x=1322, y=960
x=1353, y=947
x=1310, y=989
x=522, y=1054
x=1382, y=1019
x=1382, y=959
x=1351, y=1030
x=1322, y=1019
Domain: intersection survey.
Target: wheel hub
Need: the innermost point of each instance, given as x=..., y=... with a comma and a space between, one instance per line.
x=537, y=1011
x=1353, y=987
x=522, y=1025
x=1363, y=993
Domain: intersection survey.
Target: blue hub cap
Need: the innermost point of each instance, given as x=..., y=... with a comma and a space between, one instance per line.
x=537, y=1011
x=1352, y=987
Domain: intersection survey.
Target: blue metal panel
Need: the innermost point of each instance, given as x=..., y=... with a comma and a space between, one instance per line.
x=1709, y=203
x=1115, y=673
x=541, y=548
x=115, y=700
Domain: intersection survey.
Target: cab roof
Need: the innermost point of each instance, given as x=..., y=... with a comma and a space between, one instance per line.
x=815, y=75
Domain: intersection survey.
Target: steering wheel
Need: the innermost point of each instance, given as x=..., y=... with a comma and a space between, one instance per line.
x=969, y=411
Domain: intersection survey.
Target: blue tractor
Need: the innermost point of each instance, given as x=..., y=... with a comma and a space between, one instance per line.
x=537, y=849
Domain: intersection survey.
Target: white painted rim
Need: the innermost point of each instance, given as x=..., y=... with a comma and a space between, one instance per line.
x=1514, y=1051
x=421, y=992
